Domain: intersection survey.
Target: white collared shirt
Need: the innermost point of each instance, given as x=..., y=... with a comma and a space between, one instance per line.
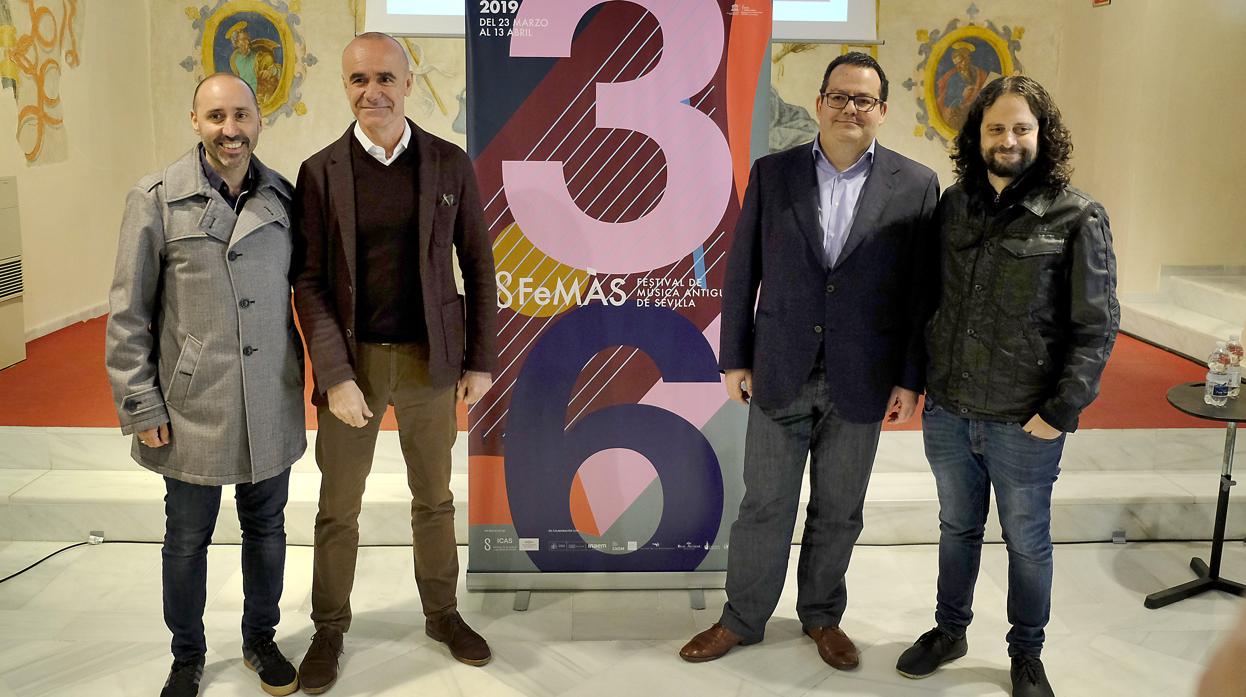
x=379, y=152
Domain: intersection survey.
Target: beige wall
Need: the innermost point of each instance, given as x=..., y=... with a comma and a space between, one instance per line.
x=70, y=211
x=1152, y=91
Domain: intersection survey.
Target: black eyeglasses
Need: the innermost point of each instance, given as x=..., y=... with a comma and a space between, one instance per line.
x=862, y=102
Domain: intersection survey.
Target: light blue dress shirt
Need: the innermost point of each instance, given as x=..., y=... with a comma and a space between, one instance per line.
x=839, y=194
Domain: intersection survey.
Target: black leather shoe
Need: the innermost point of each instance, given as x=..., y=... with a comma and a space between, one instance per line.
x=1028, y=678
x=931, y=650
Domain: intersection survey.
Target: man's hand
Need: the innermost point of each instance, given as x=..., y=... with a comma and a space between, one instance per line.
x=739, y=385
x=901, y=405
x=472, y=386
x=1041, y=429
x=346, y=402
x=157, y=437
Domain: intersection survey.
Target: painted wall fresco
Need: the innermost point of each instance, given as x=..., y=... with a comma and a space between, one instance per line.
x=957, y=62
x=257, y=41
x=37, y=40
x=790, y=123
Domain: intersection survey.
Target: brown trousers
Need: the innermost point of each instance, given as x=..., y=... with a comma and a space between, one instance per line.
x=387, y=374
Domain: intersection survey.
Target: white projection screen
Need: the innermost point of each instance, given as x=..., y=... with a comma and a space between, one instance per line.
x=825, y=21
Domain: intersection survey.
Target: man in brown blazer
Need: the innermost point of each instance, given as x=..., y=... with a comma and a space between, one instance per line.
x=376, y=215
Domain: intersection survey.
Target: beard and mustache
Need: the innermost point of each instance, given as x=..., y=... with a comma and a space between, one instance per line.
x=1009, y=168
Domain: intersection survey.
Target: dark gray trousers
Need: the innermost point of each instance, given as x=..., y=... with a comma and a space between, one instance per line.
x=841, y=456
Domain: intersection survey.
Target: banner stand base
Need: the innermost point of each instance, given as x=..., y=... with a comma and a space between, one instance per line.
x=585, y=581
x=523, y=583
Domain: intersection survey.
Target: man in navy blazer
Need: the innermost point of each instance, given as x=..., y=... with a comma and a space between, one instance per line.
x=836, y=250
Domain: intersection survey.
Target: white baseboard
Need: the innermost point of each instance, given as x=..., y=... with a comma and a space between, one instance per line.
x=82, y=315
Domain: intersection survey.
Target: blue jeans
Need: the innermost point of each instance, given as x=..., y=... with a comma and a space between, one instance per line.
x=190, y=517
x=968, y=456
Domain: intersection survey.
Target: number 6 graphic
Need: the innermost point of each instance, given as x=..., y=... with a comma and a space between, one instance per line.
x=698, y=161
x=543, y=456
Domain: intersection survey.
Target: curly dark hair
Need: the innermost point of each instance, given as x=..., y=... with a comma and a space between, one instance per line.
x=1051, y=168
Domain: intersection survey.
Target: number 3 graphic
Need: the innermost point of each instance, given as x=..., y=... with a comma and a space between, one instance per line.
x=698, y=160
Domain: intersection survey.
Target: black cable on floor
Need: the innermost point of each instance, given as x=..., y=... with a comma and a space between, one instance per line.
x=53, y=554
x=152, y=542
x=383, y=546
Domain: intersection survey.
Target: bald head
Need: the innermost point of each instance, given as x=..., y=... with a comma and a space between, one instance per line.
x=220, y=78
x=374, y=41
x=377, y=78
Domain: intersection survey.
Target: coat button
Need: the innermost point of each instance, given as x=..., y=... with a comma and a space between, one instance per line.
x=977, y=287
x=970, y=332
x=1041, y=362
x=830, y=287
x=964, y=375
x=963, y=410
x=248, y=350
x=349, y=333
x=232, y=256
x=244, y=303
x=817, y=329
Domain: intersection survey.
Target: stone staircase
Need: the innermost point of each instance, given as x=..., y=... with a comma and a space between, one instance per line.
x=1194, y=308
x=58, y=484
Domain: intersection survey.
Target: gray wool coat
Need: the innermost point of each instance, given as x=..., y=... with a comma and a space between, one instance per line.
x=200, y=332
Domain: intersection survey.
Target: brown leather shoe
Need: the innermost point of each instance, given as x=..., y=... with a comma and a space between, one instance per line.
x=710, y=644
x=318, y=671
x=465, y=644
x=835, y=647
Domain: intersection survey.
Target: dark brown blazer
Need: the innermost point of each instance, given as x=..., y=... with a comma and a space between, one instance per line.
x=461, y=330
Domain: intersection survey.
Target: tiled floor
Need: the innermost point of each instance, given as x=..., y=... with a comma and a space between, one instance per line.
x=87, y=622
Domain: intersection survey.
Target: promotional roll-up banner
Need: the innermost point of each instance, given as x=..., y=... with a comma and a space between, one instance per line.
x=612, y=145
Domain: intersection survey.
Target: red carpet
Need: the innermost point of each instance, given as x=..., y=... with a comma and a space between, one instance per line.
x=62, y=383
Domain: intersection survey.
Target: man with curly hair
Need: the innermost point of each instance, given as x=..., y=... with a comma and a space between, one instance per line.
x=1025, y=322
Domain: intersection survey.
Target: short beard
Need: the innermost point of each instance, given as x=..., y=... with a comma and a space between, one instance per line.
x=1008, y=171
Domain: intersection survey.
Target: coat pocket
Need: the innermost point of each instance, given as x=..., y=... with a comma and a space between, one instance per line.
x=452, y=326
x=1022, y=247
x=183, y=373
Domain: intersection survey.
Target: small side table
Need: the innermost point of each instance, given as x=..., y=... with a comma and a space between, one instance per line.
x=1189, y=399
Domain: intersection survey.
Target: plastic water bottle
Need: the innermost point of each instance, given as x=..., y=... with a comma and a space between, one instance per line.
x=1217, y=391
x=1234, y=347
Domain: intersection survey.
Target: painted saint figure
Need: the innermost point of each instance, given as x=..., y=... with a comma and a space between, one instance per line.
x=255, y=61
x=959, y=86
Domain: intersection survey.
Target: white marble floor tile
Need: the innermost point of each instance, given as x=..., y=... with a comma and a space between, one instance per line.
x=13, y=481
x=90, y=449
x=23, y=447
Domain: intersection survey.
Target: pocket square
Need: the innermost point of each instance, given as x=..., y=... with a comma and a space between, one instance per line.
x=447, y=199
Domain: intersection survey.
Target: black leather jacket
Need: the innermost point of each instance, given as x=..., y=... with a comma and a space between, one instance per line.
x=1027, y=313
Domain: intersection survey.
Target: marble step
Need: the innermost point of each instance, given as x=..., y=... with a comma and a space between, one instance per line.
x=1177, y=328
x=901, y=508
x=1222, y=296
x=105, y=449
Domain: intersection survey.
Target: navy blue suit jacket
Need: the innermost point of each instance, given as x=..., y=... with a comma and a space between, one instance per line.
x=867, y=312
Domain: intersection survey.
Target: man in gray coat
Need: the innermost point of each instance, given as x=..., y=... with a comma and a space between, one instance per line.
x=206, y=369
